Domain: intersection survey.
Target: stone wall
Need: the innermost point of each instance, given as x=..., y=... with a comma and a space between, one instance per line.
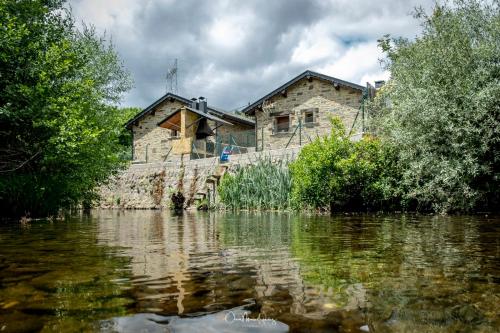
x=151, y=142
x=317, y=96
x=150, y=185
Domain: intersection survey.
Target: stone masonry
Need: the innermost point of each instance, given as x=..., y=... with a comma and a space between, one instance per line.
x=317, y=96
x=149, y=186
x=152, y=143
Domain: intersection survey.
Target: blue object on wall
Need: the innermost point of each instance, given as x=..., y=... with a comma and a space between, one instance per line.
x=224, y=156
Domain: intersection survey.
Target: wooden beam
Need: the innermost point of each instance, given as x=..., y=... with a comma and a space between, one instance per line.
x=176, y=127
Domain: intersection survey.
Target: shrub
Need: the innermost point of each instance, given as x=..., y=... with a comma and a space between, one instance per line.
x=338, y=174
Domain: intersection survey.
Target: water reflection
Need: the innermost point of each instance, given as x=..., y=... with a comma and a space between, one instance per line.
x=345, y=273
x=150, y=269
x=202, y=263
x=55, y=278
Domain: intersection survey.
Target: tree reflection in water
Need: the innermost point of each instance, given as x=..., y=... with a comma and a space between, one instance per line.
x=343, y=273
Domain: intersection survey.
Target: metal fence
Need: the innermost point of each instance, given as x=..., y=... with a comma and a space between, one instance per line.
x=237, y=142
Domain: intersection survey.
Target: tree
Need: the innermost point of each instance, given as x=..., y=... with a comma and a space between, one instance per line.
x=440, y=111
x=59, y=125
x=125, y=137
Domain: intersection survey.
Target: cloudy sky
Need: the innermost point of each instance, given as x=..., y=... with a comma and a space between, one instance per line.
x=234, y=52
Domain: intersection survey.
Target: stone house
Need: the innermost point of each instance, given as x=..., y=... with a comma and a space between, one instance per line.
x=174, y=126
x=300, y=110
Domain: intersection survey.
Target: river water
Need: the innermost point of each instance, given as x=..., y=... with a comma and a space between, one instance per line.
x=151, y=271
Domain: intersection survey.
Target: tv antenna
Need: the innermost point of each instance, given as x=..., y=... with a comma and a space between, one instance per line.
x=172, y=78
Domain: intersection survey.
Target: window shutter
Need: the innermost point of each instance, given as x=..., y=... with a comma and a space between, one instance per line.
x=274, y=129
x=315, y=115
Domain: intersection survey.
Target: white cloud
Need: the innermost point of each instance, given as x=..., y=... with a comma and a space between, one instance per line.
x=356, y=63
x=316, y=44
x=229, y=32
x=234, y=52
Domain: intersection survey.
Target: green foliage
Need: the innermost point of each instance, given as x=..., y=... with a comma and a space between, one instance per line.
x=263, y=185
x=125, y=137
x=339, y=174
x=58, y=126
x=440, y=111
x=203, y=205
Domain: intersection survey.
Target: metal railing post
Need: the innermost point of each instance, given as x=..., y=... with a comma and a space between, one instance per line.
x=291, y=137
x=300, y=131
x=262, y=144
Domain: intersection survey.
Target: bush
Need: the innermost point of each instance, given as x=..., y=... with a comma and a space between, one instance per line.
x=264, y=185
x=338, y=174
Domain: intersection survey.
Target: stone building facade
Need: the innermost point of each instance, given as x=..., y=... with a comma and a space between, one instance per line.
x=299, y=111
x=152, y=143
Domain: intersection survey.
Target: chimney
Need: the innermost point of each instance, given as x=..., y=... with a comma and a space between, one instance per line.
x=202, y=104
x=194, y=103
x=379, y=84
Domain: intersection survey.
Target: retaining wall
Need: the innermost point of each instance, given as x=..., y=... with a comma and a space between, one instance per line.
x=150, y=185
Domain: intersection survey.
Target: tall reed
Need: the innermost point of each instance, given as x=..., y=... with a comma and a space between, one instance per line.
x=265, y=185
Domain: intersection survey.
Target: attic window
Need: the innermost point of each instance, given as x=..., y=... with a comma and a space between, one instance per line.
x=309, y=117
x=282, y=124
x=174, y=133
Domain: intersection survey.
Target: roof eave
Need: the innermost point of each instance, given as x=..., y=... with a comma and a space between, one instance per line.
x=251, y=108
x=208, y=116
x=186, y=101
x=148, y=109
x=223, y=115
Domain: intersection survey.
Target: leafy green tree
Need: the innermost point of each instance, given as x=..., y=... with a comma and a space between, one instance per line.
x=440, y=111
x=338, y=174
x=59, y=127
x=125, y=137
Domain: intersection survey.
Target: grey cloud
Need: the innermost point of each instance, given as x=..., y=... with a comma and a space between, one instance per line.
x=159, y=32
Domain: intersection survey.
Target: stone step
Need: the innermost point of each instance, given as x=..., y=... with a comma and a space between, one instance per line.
x=212, y=179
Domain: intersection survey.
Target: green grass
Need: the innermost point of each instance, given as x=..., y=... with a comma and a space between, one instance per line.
x=265, y=185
